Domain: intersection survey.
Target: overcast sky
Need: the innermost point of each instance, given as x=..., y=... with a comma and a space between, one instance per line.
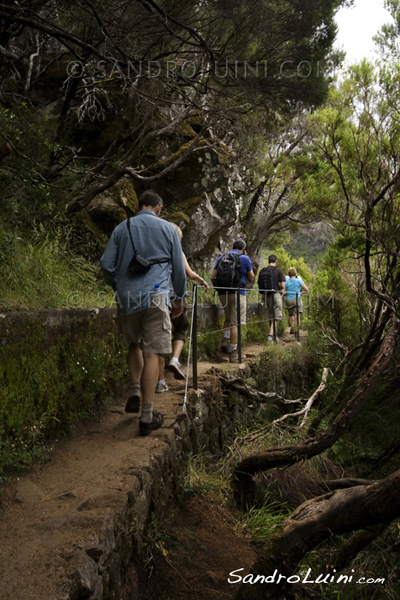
x=357, y=26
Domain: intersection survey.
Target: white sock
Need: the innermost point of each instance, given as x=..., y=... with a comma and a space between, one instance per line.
x=233, y=347
x=174, y=359
x=147, y=413
x=227, y=335
x=161, y=381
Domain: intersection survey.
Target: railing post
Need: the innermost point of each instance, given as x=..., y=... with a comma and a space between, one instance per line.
x=297, y=317
x=273, y=315
x=239, y=325
x=194, y=336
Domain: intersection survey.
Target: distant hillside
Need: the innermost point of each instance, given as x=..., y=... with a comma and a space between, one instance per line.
x=310, y=243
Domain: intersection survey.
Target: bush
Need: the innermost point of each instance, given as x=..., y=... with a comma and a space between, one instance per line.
x=41, y=273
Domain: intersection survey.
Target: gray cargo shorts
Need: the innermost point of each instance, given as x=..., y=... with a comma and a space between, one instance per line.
x=150, y=328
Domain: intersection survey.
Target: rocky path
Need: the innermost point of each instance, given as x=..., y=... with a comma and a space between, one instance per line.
x=51, y=516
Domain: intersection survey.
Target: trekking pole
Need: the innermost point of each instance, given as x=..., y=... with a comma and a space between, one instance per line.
x=194, y=322
x=297, y=317
x=273, y=315
x=194, y=338
x=239, y=325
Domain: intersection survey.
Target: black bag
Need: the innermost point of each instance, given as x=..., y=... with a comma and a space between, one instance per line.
x=228, y=273
x=138, y=264
x=267, y=280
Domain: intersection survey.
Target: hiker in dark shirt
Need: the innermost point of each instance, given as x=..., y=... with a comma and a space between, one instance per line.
x=271, y=282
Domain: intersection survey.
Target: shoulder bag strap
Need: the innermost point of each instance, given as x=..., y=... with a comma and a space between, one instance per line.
x=130, y=235
x=158, y=262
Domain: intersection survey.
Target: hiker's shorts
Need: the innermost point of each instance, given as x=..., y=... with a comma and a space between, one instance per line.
x=291, y=305
x=272, y=299
x=229, y=304
x=150, y=328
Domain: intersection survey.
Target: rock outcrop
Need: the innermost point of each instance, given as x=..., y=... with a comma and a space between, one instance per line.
x=203, y=195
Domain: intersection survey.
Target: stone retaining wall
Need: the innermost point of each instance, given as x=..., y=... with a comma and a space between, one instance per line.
x=15, y=327
x=113, y=568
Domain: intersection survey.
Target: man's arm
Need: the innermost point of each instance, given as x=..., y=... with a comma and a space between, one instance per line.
x=250, y=276
x=192, y=275
x=178, y=267
x=249, y=269
x=281, y=280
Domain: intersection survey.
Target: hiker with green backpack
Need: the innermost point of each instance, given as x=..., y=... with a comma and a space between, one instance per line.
x=231, y=273
x=271, y=284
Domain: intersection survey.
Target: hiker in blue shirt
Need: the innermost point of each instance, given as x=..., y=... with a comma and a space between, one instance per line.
x=293, y=286
x=144, y=299
x=230, y=273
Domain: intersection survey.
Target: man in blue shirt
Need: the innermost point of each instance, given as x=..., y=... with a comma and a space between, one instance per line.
x=228, y=300
x=143, y=300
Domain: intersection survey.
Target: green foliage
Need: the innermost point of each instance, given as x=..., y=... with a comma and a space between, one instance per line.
x=260, y=522
x=205, y=477
x=373, y=433
x=285, y=261
x=39, y=271
x=209, y=342
x=27, y=194
x=296, y=369
x=256, y=331
x=334, y=296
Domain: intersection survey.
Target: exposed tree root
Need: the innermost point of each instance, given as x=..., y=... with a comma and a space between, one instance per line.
x=316, y=521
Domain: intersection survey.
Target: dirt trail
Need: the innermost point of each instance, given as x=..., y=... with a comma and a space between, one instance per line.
x=49, y=512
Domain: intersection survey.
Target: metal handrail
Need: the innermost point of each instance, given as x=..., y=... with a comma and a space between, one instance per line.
x=194, y=335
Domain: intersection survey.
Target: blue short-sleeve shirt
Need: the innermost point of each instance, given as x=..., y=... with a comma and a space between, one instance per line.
x=293, y=287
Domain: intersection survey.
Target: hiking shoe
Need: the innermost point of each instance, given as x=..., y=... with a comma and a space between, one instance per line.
x=133, y=404
x=161, y=387
x=175, y=368
x=146, y=428
x=226, y=346
x=234, y=356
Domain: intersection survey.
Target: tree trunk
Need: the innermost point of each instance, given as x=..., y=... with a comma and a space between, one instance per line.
x=284, y=456
x=312, y=523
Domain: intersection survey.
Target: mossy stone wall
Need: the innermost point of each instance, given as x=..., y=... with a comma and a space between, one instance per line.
x=55, y=367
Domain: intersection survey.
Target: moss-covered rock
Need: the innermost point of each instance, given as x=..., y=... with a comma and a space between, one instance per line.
x=203, y=194
x=108, y=209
